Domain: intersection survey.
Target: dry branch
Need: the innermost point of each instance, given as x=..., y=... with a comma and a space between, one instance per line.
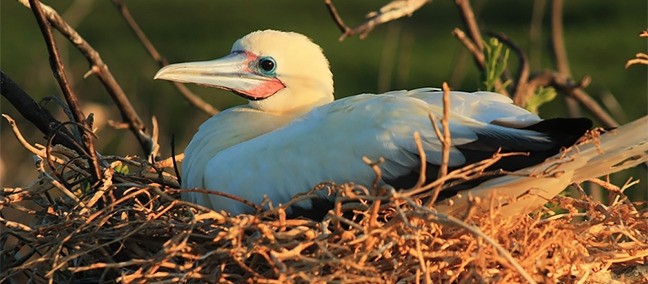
x=70, y=97
x=194, y=100
x=468, y=18
x=475, y=43
x=558, y=38
x=35, y=113
x=640, y=58
x=392, y=11
x=560, y=51
x=99, y=68
x=566, y=85
x=474, y=50
x=445, y=140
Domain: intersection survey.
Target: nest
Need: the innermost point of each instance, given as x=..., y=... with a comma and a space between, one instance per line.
x=131, y=227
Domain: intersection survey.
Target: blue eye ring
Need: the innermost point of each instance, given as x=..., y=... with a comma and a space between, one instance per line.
x=267, y=65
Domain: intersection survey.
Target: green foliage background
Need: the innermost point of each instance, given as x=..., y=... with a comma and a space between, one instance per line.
x=414, y=52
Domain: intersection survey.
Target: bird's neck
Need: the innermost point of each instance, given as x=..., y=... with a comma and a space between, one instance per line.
x=296, y=100
x=239, y=124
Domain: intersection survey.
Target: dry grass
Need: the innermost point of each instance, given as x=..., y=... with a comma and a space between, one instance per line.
x=132, y=228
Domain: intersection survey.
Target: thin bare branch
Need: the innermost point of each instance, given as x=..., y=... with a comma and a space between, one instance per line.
x=35, y=113
x=251, y=204
x=445, y=142
x=590, y=104
x=344, y=29
x=99, y=68
x=612, y=104
x=21, y=139
x=640, y=58
x=194, y=100
x=559, y=50
x=557, y=38
x=422, y=157
x=392, y=11
x=535, y=32
x=468, y=18
x=567, y=86
x=71, y=98
x=174, y=159
x=477, y=53
x=644, y=33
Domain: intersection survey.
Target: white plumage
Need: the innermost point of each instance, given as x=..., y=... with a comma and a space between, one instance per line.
x=327, y=144
x=292, y=135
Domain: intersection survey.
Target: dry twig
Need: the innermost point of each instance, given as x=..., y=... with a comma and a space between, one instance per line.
x=392, y=11
x=474, y=50
x=98, y=67
x=468, y=18
x=35, y=113
x=560, y=52
x=70, y=97
x=573, y=89
x=194, y=100
x=640, y=58
x=445, y=142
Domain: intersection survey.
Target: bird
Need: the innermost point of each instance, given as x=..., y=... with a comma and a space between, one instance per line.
x=293, y=135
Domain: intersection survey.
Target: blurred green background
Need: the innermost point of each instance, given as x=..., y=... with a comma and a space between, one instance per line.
x=413, y=52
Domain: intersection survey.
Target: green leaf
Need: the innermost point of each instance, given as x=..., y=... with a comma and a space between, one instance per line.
x=542, y=96
x=495, y=63
x=121, y=168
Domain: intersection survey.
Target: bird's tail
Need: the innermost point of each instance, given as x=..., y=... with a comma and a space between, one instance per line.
x=616, y=150
x=530, y=188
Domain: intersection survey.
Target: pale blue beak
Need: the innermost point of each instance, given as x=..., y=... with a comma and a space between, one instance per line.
x=234, y=72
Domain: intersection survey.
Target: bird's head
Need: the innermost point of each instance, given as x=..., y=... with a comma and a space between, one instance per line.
x=276, y=71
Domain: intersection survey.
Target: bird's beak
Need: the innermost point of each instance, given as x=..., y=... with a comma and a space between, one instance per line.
x=234, y=72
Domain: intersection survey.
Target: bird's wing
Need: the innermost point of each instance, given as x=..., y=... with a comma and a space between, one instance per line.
x=530, y=188
x=487, y=107
x=328, y=144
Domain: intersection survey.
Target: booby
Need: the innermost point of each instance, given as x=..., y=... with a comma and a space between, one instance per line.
x=292, y=135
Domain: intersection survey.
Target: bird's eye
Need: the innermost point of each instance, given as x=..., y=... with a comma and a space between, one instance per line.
x=267, y=65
